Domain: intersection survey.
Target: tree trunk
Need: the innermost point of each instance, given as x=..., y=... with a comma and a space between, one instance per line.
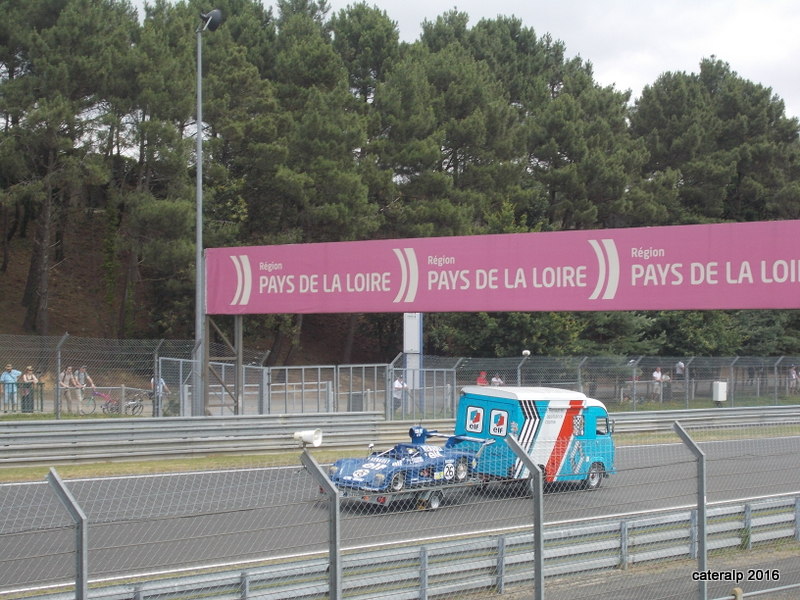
x=129, y=278
x=347, y=353
x=298, y=328
x=37, y=287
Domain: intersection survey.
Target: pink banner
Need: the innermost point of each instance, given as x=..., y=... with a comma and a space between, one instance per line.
x=738, y=265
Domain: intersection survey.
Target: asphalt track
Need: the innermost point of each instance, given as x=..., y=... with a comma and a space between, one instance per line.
x=166, y=522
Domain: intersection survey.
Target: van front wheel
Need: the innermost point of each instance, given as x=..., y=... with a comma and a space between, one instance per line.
x=594, y=477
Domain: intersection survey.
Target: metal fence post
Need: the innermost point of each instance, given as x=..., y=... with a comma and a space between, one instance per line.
x=623, y=545
x=500, y=585
x=797, y=519
x=537, y=492
x=702, y=555
x=59, y=368
x=423, y=573
x=81, y=534
x=334, y=524
x=156, y=382
x=244, y=586
x=265, y=393
x=776, y=377
x=579, y=369
x=747, y=531
x=731, y=380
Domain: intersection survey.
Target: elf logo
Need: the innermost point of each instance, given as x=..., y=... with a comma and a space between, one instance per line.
x=474, y=419
x=499, y=423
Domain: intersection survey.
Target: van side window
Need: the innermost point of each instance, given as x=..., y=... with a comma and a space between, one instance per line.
x=602, y=426
x=577, y=425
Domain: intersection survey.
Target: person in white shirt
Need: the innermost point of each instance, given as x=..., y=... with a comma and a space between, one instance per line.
x=399, y=392
x=657, y=378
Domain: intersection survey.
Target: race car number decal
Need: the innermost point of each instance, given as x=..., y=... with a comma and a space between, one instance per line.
x=449, y=471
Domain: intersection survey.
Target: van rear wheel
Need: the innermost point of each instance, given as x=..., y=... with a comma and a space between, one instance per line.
x=462, y=470
x=594, y=477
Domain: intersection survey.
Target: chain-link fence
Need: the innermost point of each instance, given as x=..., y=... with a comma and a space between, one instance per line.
x=122, y=375
x=677, y=518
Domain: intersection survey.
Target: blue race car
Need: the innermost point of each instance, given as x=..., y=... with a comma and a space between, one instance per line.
x=410, y=465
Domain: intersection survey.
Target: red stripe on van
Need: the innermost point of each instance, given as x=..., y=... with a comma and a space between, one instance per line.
x=562, y=442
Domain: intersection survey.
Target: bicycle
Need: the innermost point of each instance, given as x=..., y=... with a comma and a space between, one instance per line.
x=110, y=406
x=87, y=404
x=135, y=406
x=89, y=399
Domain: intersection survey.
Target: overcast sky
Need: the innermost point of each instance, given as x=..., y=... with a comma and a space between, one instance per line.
x=631, y=42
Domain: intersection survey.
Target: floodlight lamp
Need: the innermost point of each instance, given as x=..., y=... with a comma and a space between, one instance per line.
x=211, y=20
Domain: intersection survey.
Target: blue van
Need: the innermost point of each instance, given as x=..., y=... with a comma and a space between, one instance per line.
x=565, y=432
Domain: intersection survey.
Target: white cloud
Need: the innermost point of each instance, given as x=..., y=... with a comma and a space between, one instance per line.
x=630, y=43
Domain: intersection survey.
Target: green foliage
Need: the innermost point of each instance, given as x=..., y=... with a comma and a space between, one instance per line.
x=703, y=333
x=501, y=334
x=735, y=150
x=368, y=43
x=623, y=333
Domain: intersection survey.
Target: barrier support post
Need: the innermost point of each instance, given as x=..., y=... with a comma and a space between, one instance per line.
x=702, y=555
x=81, y=534
x=537, y=492
x=334, y=524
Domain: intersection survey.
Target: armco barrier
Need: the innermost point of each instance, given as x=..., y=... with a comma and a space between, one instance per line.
x=490, y=562
x=54, y=441
x=47, y=442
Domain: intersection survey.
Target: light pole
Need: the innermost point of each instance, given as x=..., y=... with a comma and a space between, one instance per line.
x=209, y=21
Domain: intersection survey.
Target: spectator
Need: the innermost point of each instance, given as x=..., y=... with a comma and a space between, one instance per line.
x=9, y=380
x=27, y=381
x=481, y=380
x=496, y=380
x=680, y=370
x=83, y=378
x=657, y=379
x=161, y=388
x=793, y=379
x=398, y=392
x=657, y=375
x=68, y=384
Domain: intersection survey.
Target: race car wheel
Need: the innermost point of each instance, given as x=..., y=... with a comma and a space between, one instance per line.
x=435, y=501
x=462, y=470
x=398, y=482
x=594, y=478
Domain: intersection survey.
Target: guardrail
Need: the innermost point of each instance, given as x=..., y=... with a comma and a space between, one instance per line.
x=661, y=420
x=486, y=562
x=46, y=442
x=54, y=441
